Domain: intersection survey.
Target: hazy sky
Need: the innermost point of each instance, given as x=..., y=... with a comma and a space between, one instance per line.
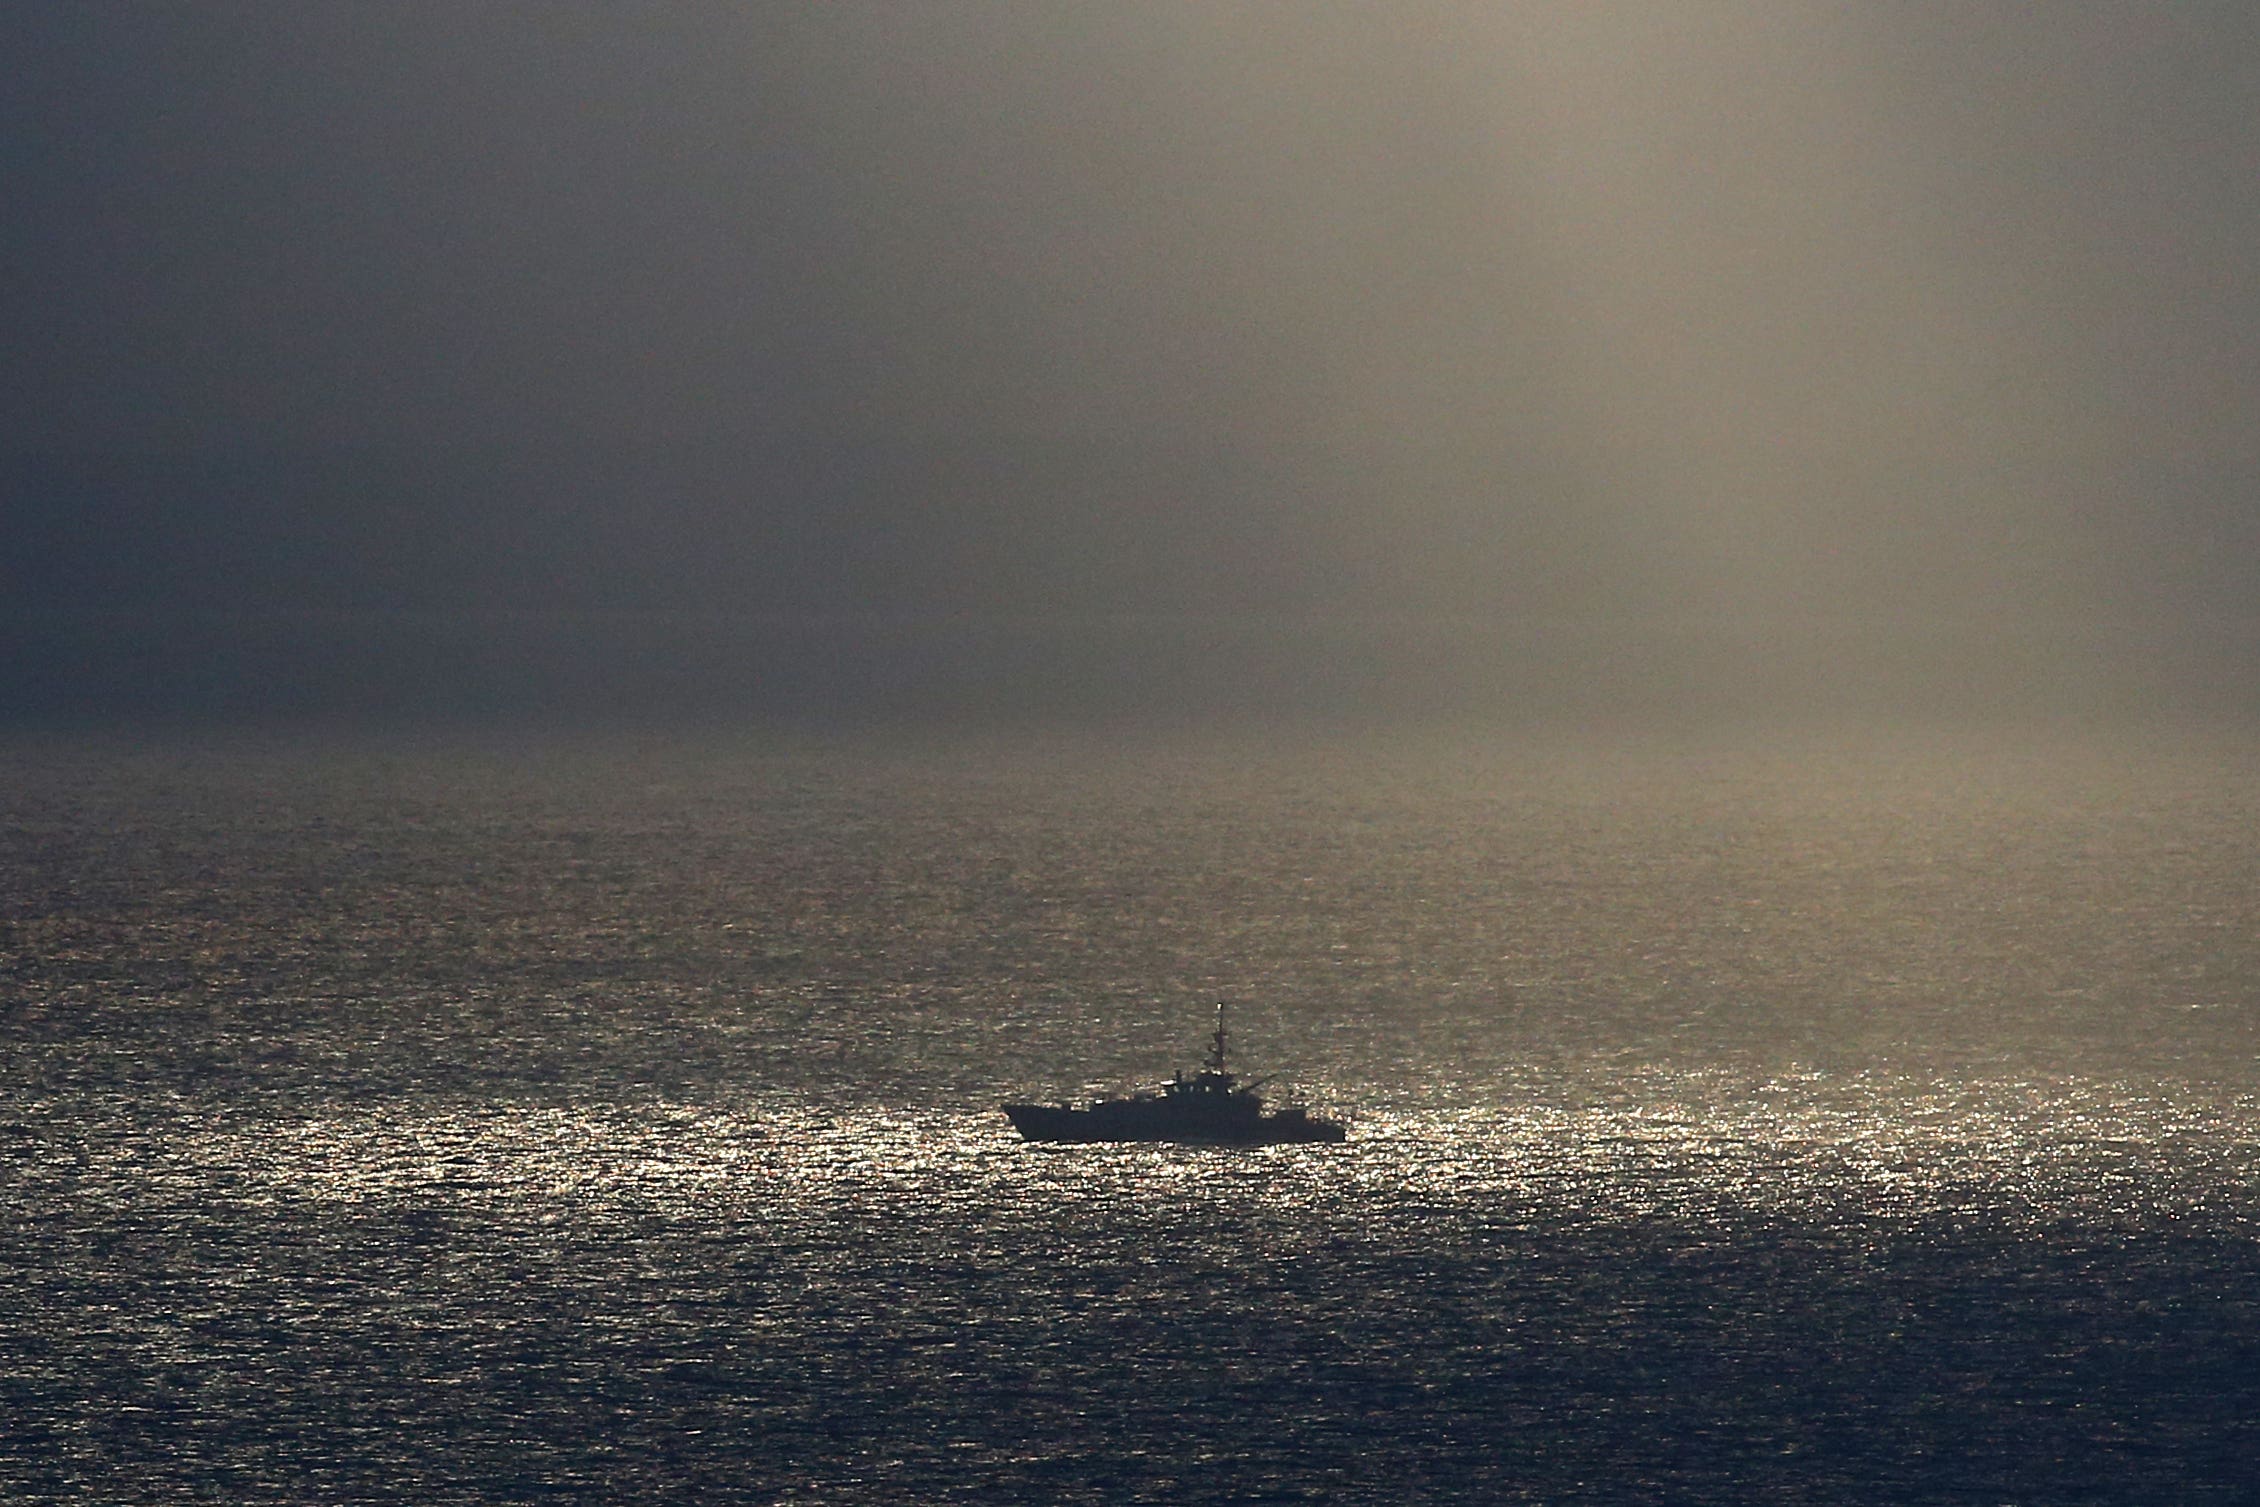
x=1732, y=312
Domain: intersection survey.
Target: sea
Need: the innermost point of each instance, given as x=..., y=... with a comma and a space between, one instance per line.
x=1783, y=1115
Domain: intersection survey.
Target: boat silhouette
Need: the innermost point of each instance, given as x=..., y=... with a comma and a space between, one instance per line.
x=1209, y=1108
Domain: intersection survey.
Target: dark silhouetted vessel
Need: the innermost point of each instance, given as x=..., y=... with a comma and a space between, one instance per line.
x=1207, y=1108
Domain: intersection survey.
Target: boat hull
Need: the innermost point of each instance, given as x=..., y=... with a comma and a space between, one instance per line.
x=1153, y=1120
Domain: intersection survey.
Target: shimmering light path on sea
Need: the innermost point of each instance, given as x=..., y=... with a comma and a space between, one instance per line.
x=1692, y=1146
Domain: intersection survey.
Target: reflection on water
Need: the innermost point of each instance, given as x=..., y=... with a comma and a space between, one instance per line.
x=1693, y=1147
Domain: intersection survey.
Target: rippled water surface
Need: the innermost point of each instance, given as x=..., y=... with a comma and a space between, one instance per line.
x=1821, y=1121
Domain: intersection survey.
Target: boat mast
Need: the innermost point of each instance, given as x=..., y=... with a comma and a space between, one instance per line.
x=1216, y=1052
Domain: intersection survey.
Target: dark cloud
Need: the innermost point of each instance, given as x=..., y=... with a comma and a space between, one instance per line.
x=1016, y=312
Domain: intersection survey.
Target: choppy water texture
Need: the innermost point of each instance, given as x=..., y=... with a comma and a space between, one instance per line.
x=1827, y=1120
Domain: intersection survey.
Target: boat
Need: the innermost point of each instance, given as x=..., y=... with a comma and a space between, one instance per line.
x=1210, y=1108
